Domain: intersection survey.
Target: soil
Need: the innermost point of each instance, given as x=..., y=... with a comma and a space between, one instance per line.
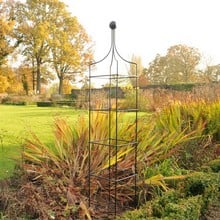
x=213, y=212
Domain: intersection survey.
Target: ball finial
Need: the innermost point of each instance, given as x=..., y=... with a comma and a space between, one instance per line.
x=112, y=25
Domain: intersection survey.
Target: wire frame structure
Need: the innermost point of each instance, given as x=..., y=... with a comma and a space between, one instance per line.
x=106, y=138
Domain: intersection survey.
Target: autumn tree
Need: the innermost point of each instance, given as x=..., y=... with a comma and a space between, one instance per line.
x=34, y=18
x=140, y=74
x=6, y=29
x=9, y=80
x=24, y=72
x=211, y=73
x=157, y=72
x=70, y=48
x=177, y=66
x=4, y=84
x=183, y=61
x=67, y=87
x=50, y=35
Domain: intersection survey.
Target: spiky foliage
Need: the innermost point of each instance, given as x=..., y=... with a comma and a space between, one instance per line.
x=203, y=119
x=60, y=171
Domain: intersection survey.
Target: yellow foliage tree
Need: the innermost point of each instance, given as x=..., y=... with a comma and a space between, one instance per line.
x=9, y=82
x=71, y=49
x=177, y=66
x=49, y=34
x=6, y=29
x=4, y=84
x=35, y=19
x=67, y=87
x=26, y=78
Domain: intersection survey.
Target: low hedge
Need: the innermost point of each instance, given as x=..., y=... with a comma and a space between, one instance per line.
x=65, y=102
x=16, y=103
x=56, y=103
x=169, y=206
x=191, y=200
x=45, y=104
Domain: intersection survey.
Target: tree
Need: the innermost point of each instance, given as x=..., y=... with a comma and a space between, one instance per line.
x=132, y=71
x=157, y=71
x=9, y=81
x=34, y=19
x=70, y=48
x=177, y=66
x=67, y=87
x=6, y=29
x=45, y=27
x=4, y=84
x=212, y=73
x=6, y=26
x=183, y=61
x=25, y=74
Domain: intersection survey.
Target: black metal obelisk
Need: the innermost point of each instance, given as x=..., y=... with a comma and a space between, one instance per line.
x=108, y=102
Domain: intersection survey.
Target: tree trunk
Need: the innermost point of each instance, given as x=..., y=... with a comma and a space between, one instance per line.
x=61, y=85
x=38, y=78
x=33, y=80
x=33, y=76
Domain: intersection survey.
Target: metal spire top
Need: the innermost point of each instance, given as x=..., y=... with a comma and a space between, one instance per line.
x=112, y=25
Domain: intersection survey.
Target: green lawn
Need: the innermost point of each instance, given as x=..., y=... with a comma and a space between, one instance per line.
x=16, y=122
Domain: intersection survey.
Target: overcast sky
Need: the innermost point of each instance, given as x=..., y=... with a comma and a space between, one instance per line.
x=148, y=27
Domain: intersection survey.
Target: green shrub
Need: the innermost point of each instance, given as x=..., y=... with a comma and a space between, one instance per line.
x=190, y=201
x=203, y=184
x=18, y=100
x=169, y=206
x=185, y=209
x=215, y=165
x=16, y=103
x=182, y=87
x=65, y=103
x=45, y=104
x=56, y=103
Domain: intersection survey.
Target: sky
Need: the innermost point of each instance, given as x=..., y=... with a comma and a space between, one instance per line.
x=149, y=27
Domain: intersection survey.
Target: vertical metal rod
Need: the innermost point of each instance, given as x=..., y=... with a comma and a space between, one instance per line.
x=110, y=89
x=110, y=115
x=89, y=145
x=136, y=135
x=116, y=138
x=113, y=58
x=109, y=138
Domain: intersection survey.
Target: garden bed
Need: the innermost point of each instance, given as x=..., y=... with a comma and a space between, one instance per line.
x=178, y=169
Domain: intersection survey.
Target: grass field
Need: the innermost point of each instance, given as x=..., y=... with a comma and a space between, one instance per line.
x=16, y=122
